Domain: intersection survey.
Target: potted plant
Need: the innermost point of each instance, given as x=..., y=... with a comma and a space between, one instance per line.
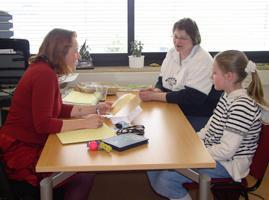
x=85, y=60
x=136, y=60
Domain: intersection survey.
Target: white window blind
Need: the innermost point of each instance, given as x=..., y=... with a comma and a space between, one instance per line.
x=102, y=23
x=226, y=24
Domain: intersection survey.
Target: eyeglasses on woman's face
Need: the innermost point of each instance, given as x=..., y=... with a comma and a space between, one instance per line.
x=182, y=38
x=181, y=35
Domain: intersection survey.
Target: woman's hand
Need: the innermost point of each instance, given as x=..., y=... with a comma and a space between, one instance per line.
x=93, y=121
x=152, y=96
x=146, y=95
x=149, y=94
x=104, y=108
x=84, y=122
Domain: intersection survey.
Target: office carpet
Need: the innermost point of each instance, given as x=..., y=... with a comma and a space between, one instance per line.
x=135, y=186
x=122, y=186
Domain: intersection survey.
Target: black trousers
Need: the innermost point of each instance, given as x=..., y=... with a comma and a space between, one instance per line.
x=25, y=191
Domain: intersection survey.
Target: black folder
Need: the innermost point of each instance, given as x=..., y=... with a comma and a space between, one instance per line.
x=125, y=141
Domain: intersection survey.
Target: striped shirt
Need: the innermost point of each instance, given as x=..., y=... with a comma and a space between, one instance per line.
x=232, y=133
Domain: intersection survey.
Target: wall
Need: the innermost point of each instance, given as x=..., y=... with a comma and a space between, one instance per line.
x=121, y=78
x=147, y=77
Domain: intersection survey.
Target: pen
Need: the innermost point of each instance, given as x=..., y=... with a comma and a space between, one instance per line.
x=97, y=110
x=107, y=116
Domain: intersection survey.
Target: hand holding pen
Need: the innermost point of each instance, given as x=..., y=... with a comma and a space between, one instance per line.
x=103, y=108
x=94, y=120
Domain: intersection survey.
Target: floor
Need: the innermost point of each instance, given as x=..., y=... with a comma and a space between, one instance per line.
x=263, y=190
x=135, y=186
x=122, y=186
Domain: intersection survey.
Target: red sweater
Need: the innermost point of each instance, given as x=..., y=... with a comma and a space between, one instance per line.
x=36, y=111
x=36, y=106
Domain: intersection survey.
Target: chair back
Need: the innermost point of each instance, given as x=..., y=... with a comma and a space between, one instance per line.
x=14, y=55
x=261, y=158
x=21, y=45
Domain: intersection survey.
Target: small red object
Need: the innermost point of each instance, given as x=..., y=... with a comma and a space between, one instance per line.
x=93, y=145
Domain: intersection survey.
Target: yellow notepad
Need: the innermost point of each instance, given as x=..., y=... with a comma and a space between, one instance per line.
x=75, y=97
x=85, y=135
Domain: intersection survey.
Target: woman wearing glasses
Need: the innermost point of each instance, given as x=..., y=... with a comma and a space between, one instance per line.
x=185, y=77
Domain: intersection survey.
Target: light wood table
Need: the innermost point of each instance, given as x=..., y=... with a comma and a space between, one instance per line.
x=173, y=144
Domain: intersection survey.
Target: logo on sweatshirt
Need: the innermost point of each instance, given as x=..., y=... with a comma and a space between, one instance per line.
x=171, y=81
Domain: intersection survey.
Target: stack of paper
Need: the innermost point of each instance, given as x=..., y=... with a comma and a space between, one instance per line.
x=78, y=98
x=121, y=102
x=68, y=78
x=126, y=108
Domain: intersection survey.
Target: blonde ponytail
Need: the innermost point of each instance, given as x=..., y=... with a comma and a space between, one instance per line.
x=255, y=89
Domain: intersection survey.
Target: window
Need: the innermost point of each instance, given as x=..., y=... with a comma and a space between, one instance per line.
x=109, y=26
x=102, y=23
x=229, y=24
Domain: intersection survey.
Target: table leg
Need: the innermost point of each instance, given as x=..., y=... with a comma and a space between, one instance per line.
x=204, y=186
x=203, y=180
x=46, y=189
x=48, y=183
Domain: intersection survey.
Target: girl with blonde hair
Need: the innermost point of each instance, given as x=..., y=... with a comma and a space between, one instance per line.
x=232, y=133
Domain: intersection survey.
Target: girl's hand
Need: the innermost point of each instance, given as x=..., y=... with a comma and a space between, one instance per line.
x=104, y=107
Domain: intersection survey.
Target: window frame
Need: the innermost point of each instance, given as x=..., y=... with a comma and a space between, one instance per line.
x=117, y=59
x=121, y=59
